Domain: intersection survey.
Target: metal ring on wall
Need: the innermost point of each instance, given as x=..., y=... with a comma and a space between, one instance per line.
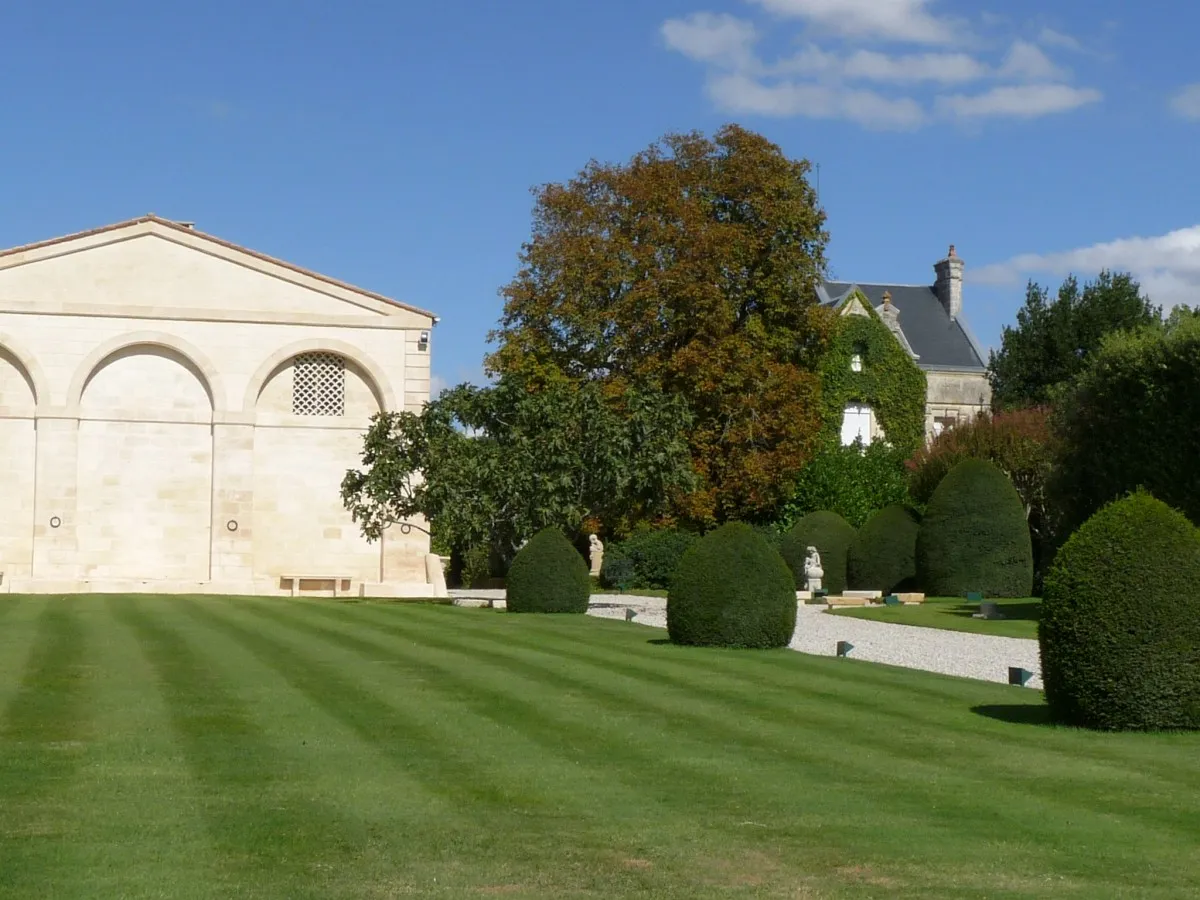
x=55, y=521
x=232, y=525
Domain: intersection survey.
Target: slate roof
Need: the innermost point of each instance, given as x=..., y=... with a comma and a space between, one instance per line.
x=938, y=340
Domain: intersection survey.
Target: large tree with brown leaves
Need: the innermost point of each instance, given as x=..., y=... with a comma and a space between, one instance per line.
x=692, y=269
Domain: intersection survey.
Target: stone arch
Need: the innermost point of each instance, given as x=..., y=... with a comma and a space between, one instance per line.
x=26, y=365
x=374, y=376
x=189, y=355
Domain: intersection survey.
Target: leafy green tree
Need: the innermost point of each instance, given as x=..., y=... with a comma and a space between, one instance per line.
x=492, y=466
x=692, y=268
x=1054, y=338
x=1131, y=420
x=854, y=482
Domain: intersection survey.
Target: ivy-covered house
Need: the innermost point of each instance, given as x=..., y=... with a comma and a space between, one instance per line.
x=905, y=365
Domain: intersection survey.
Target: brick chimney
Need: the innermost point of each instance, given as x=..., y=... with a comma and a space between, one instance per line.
x=949, y=283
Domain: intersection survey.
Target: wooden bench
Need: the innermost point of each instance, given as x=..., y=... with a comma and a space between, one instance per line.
x=338, y=585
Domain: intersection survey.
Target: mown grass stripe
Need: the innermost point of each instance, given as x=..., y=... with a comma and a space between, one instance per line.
x=916, y=801
x=518, y=793
x=43, y=734
x=1025, y=807
x=838, y=735
x=265, y=831
x=911, y=713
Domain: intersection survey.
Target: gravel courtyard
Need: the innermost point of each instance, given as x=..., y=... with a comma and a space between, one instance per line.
x=979, y=656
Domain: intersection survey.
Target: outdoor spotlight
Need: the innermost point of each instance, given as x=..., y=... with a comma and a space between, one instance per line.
x=629, y=615
x=844, y=648
x=423, y=341
x=1018, y=676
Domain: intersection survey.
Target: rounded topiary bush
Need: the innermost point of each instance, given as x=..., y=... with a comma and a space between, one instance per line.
x=832, y=536
x=1120, y=625
x=883, y=556
x=974, y=536
x=732, y=590
x=548, y=576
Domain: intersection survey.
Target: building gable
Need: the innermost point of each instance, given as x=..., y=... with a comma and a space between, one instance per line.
x=154, y=268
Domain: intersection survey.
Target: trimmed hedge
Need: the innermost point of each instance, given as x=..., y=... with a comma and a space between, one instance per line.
x=548, y=576
x=832, y=536
x=654, y=556
x=732, y=590
x=1120, y=626
x=974, y=536
x=883, y=556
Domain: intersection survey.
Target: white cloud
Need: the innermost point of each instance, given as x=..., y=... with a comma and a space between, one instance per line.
x=893, y=20
x=1186, y=103
x=1027, y=62
x=740, y=93
x=1052, y=38
x=1027, y=101
x=1168, y=266
x=841, y=78
x=437, y=384
x=722, y=40
x=871, y=65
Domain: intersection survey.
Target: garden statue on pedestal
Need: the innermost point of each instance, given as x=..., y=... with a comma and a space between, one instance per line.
x=596, y=554
x=813, y=573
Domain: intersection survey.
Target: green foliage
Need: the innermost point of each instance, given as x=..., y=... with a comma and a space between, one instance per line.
x=832, y=536
x=692, y=268
x=617, y=572
x=1020, y=444
x=732, y=590
x=890, y=382
x=491, y=466
x=654, y=555
x=883, y=556
x=974, y=536
x=548, y=575
x=853, y=482
x=1120, y=621
x=1131, y=420
x=1054, y=339
x=475, y=567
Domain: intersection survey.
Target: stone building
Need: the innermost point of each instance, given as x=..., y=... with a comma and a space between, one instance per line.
x=928, y=321
x=177, y=413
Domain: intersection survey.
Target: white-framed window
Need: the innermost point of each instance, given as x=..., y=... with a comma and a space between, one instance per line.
x=856, y=424
x=319, y=385
x=856, y=364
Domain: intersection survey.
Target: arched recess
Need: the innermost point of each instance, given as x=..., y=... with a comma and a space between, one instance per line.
x=187, y=354
x=301, y=526
x=26, y=365
x=374, y=375
x=144, y=473
x=21, y=387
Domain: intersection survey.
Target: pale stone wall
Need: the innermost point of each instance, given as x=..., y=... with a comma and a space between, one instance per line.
x=146, y=421
x=955, y=396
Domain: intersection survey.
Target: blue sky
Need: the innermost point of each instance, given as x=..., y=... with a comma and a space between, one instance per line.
x=394, y=144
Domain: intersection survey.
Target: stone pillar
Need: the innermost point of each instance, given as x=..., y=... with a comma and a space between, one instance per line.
x=55, y=547
x=402, y=556
x=232, y=557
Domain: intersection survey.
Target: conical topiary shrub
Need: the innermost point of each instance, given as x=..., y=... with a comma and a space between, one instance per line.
x=974, y=536
x=883, y=556
x=832, y=536
x=732, y=589
x=548, y=576
x=1120, y=626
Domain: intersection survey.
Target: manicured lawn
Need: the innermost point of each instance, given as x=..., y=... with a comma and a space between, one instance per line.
x=955, y=614
x=185, y=747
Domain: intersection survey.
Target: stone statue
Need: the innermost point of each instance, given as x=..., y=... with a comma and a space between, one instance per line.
x=813, y=573
x=595, y=554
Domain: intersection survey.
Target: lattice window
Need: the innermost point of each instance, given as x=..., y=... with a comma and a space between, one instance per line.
x=319, y=385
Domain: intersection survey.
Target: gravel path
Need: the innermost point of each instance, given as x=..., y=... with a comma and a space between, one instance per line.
x=979, y=656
